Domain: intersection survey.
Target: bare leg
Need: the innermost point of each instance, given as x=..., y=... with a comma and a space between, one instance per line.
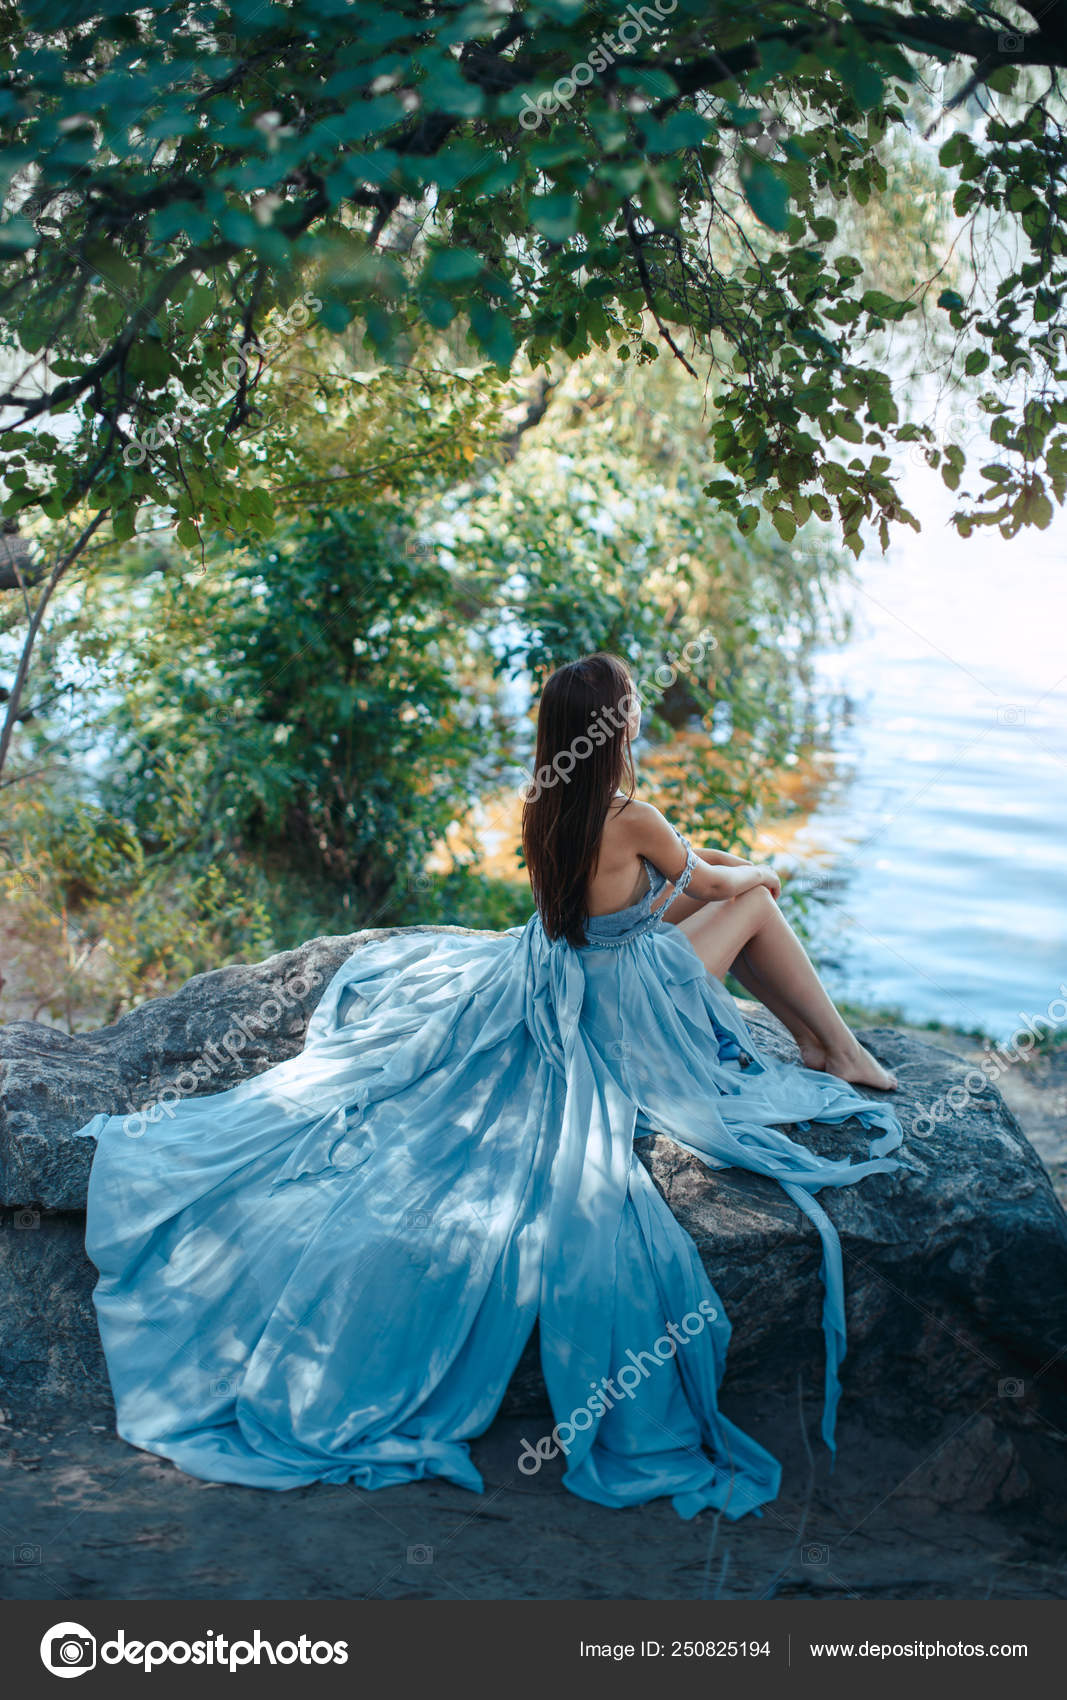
x=760, y=988
x=741, y=968
x=752, y=929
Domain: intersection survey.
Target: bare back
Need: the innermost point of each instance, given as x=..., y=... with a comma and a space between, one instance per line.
x=619, y=877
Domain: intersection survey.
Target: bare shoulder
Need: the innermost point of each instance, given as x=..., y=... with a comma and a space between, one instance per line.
x=636, y=831
x=632, y=818
x=639, y=829
x=620, y=839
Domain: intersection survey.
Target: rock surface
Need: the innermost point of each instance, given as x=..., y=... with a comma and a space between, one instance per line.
x=956, y=1272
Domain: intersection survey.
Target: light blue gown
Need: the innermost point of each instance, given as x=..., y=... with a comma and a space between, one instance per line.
x=329, y=1272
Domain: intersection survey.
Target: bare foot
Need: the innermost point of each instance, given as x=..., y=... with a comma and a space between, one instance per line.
x=852, y=1063
x=813, y=1055
x=857, y=1066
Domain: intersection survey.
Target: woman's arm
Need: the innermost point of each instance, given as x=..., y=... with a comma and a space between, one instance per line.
x=649, y=834
x=720, y=858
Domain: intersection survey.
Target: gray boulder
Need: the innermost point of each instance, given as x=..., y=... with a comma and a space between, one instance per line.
x=956, y=1272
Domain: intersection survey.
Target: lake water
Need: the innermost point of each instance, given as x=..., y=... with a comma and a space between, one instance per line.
x=943, y=829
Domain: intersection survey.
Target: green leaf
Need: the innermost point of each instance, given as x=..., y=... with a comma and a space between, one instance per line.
x=766, y=194
x=681, y=129
x=181, y=218
x=884, y=306
x=609, y=128
x=848, y=426
x=555, y=215
x=149, y=363
x=336, y=315
x=493, y=331
x=454, y=265
x=449, y=91
x=437, y=310
x=198, y=306
x=863, y=80
x=1033, y=507
x=881, y=408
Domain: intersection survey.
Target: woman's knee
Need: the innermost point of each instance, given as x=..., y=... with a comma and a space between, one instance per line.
x=759, y=899
x=758, y=905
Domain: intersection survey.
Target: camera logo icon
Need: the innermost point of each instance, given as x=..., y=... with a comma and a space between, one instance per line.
x=68, y=1649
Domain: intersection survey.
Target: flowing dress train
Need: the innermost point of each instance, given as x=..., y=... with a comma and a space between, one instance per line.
x=329, y=1271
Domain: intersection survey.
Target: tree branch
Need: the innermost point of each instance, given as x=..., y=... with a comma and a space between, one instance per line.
x=646, y=285
x=22, y=671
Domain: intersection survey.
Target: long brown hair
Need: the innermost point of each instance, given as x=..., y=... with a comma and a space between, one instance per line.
x=583, y=757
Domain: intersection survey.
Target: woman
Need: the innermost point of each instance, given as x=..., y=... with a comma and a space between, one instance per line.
x=589, y=847
x=329, y=1272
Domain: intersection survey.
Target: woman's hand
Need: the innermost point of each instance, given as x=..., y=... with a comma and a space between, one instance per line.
x=770, y=879
x=747, y=876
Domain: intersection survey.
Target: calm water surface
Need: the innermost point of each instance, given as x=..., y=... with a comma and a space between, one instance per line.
x=943, y=830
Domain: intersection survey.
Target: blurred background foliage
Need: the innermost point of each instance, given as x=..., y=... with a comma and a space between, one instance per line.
x=229, y=751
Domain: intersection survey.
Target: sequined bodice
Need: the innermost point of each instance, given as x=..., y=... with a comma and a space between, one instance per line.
x=610, y=932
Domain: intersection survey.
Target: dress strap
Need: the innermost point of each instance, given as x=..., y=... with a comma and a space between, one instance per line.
x=683, y=878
